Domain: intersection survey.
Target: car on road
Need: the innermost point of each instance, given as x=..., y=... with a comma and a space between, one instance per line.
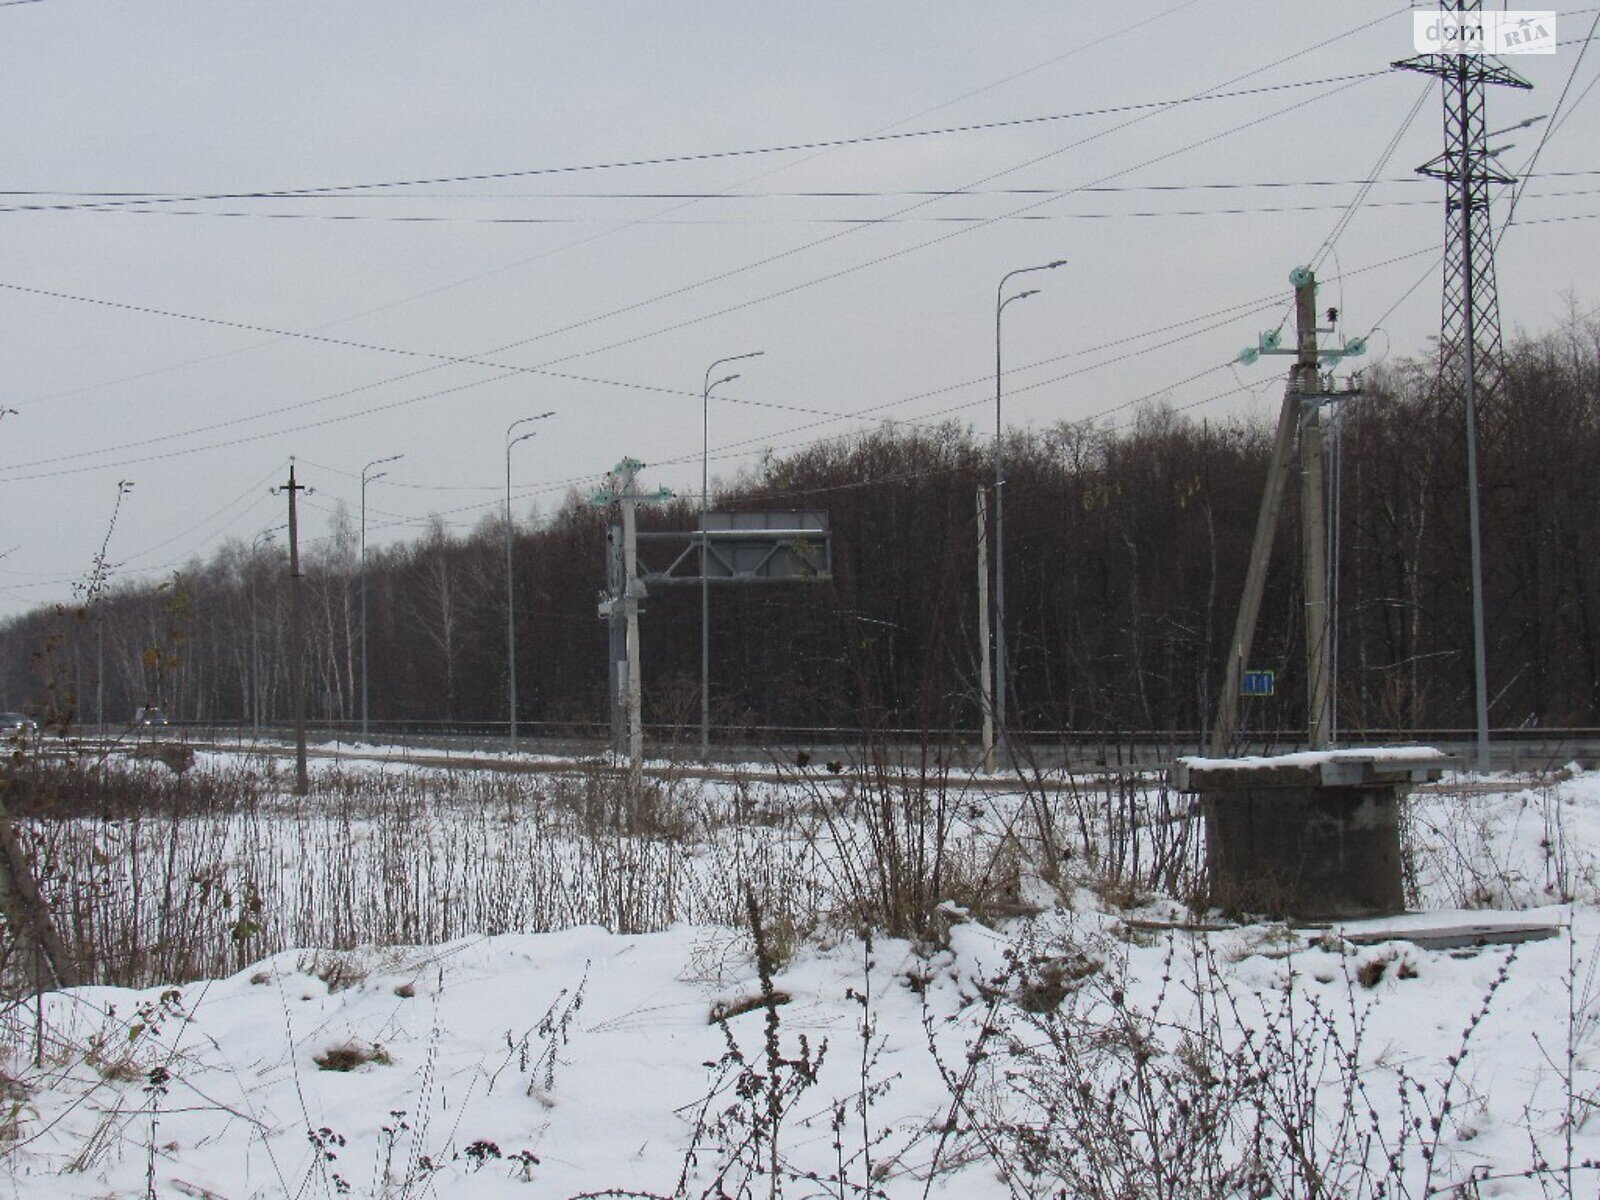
x=149, y=715
x=17, y=725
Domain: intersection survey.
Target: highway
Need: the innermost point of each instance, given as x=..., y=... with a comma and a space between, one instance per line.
x=1510, y=749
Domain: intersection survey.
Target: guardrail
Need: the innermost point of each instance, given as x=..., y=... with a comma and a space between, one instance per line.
x=1511, y=749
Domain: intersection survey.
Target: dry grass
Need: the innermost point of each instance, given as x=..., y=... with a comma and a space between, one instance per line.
x=349, y=1056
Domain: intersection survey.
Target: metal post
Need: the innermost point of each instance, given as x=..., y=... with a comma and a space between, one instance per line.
x=511, y=613
x=705, y=546
x=1480, y=670
x=366, y=479
x=1000, y=678
x=1471, y=307
x=985, y=680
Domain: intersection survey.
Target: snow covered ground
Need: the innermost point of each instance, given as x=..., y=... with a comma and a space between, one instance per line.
x=1079, y=1047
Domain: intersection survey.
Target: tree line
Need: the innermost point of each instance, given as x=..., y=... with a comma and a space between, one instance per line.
x=1125, y=554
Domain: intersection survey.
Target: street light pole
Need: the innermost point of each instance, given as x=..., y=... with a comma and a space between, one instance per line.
x=96, y=589
x=1000, y=302
x=705, y=545
x=511, y=611
x=366, y=479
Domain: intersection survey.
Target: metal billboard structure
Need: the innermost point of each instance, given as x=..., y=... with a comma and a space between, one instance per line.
x=729, y=548
x=743, y=547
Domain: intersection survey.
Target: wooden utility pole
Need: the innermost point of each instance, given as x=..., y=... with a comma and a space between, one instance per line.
x=297, y=663
x=985, y=679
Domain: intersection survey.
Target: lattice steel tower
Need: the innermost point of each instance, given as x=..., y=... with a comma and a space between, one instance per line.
x=1470, y=362
x=1470, y=325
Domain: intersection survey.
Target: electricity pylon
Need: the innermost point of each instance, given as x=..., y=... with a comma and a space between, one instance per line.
x=1470, y=361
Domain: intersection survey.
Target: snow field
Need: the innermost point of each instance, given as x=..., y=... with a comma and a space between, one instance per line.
x=593, y=1051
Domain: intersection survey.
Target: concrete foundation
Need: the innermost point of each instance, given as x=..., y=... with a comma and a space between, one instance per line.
x=1305, y=852
x=1308, y=836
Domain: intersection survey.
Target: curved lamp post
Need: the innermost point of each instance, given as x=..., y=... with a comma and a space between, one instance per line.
x=366, y=479
x=1000, y=302
x=705, y=544
x=511, y=612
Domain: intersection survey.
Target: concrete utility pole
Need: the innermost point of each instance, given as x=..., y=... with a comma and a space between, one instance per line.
x=616, y=642
x=1255, y=578
x=297, y=664
x=266, y=535
x=1302, y=398
x=622, y=489
x=1313, y=524
x=985, y=680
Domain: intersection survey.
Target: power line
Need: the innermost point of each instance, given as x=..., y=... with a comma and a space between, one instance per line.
x=1360, y=197
x=145, y=198
x=1556, y=118
x=672, y=293
x=1079, y=48
x=824, y=278
x=543, y=368
x=1349, y=209
x=867, y=193
x=390, y=406
x=737, y=449
x=586, y=240
x=255, y=493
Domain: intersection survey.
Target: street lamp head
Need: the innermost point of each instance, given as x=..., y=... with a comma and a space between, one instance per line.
x=1026, y=294
x=1060, y=262
x=378, y=462
x=731, y=358
x=524, y=421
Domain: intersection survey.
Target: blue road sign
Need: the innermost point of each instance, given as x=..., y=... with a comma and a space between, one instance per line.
x=1257, y=683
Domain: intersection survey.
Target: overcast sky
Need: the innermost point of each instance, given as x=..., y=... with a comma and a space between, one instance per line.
x=160, y=327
